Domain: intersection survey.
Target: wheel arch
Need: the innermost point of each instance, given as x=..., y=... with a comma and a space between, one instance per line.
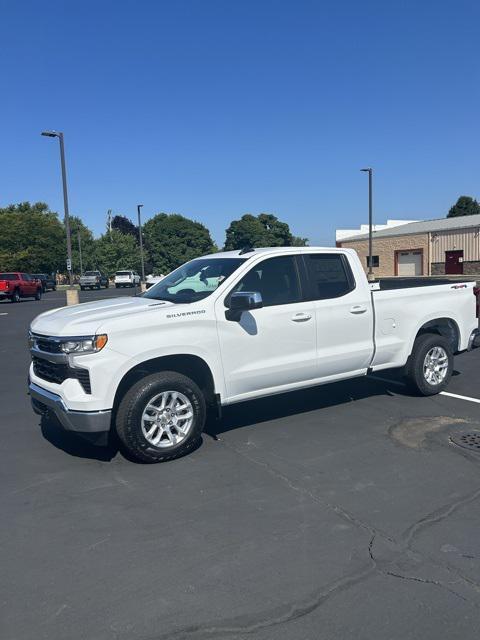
x=446, y=327
x=189, y=365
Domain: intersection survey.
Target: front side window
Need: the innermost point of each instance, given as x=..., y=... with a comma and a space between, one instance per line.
x=194, y=280
x=276, y=279
x=329, y=274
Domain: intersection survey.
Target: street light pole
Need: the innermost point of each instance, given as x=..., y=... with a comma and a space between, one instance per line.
x=80, y=251
x=139, y=206
x=59, y=135
x=370, y=274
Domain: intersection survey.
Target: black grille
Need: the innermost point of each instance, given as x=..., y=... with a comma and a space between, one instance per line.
x=84, y=377
x=50, y=371
x=57, y=373
x=48, y=345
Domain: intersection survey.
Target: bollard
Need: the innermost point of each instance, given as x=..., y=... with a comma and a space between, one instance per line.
x=72, y=296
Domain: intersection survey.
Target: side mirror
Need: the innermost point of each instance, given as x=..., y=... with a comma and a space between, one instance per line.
x=243, y=301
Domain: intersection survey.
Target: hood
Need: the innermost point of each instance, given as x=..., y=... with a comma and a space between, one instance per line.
x=85, y=319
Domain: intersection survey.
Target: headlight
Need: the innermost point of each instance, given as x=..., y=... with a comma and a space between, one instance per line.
x=90, y=344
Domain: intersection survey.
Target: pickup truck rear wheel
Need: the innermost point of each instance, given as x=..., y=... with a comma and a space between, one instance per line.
x=430, y=365
x=161, y=417
x=15, y=296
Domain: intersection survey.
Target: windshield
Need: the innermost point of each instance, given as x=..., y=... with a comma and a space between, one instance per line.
x=123, y=273
x=91, y=273
x=194, y=280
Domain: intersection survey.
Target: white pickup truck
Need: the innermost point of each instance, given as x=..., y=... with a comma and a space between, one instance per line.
x=234, y=326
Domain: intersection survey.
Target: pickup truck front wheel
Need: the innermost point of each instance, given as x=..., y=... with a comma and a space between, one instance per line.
x=430, y=365
x=161, y=417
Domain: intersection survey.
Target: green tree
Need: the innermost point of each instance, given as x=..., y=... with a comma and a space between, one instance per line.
x=125, y=225
x=264, y=230
x=172, y=239
x=465, y=206
x=32, y=239
x=87, y=243
x=115, y=251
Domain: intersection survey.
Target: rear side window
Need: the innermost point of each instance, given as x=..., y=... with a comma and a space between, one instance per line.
x=8, y=276
x=329, y=274
x=276, y=279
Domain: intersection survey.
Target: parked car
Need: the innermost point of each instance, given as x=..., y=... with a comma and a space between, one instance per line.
x=152, y=280
x=48, y=282
x=93, y=280
x=127, y=279
x=235, y=326
x=17, y=285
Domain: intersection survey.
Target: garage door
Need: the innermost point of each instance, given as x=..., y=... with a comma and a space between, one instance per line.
x=409, y=263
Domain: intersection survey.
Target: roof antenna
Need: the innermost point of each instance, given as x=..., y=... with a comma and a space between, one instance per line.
x=246, y=250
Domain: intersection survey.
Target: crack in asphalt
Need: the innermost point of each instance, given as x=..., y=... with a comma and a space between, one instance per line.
x=246, y=625
x=426, y=581
x=269, y=619
x=437, y=516
x=337, y=509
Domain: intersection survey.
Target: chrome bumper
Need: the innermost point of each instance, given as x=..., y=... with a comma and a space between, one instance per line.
x=44, y=402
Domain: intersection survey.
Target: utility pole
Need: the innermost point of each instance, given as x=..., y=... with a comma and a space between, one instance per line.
x=370, y=275
x=80, y=251
x=59, y=135
x=109, y=222
x=139, y=206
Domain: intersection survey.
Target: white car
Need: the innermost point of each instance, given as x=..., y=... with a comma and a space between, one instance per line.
x=235, y=326
x=127, y=279
x=152, y=280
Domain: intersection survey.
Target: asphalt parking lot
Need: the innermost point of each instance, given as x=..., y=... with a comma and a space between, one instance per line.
x=343, y=511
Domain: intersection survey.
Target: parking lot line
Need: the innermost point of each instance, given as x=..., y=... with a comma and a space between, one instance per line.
x=455, y=395
x=3, y=314
x=442, y=393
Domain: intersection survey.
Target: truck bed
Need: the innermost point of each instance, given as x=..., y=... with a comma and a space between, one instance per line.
x=407, y=283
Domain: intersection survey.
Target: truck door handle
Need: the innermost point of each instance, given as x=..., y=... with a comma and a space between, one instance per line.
x=301, y=317
x=356, y=309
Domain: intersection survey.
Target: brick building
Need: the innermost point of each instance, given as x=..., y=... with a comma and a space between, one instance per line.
x=431, y=247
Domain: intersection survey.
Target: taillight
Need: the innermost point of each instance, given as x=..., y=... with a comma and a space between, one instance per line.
x=476, y=293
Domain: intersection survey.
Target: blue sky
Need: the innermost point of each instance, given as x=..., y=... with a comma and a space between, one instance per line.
x=217, y=108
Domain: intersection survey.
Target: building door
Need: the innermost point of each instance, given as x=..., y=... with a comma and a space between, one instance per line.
x=454, y=262
x=409, y=263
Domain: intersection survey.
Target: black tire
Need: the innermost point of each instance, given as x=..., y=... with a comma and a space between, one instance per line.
x=414, y=369
x=117, y=286
x=15, y=296
x=82, y=288
x=38, y=295
x=132, y=405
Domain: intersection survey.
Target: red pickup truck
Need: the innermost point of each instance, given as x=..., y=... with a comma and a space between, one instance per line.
x=18, y=285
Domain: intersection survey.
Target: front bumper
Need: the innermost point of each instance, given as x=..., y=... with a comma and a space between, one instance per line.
x=82, y=422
